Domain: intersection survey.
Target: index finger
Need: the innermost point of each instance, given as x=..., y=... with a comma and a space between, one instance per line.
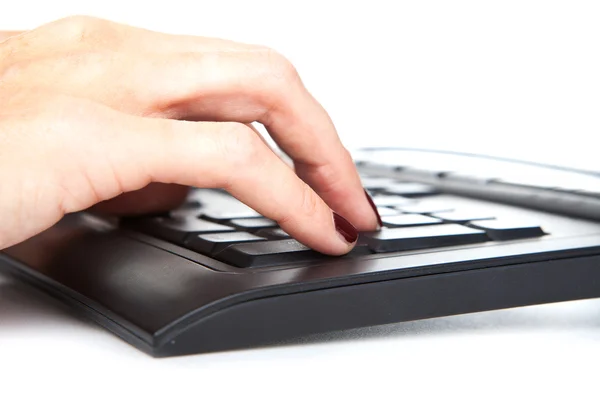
x=304, y=130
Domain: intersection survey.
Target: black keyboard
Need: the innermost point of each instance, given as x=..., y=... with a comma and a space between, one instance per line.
x=214, y=274
x=415, y=216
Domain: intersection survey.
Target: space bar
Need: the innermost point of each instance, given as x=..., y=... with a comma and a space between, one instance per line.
x=424, y=237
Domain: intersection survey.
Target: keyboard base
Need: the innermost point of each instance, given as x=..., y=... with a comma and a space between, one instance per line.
x=275, y=319
x=167, y=305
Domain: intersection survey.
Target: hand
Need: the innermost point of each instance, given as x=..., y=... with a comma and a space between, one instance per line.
x=91, y=109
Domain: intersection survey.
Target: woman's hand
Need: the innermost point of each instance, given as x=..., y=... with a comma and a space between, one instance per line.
x=91, y=109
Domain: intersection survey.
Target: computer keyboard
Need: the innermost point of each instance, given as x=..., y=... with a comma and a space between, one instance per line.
x=217, y=225
x=216, y=275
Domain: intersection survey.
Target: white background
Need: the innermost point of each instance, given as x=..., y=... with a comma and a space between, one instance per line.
x=520, y=78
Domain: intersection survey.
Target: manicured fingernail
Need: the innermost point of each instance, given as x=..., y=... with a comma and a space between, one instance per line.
x=345, y=228
x=374, y=207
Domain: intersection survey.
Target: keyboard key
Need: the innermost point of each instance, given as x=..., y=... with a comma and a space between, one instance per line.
x=508, y=230
x=276, y=252
x=422, y=237
x=180, y=213
x=176, y=229
x=220, y=205
x=386, y=211
x=223, y=214
x=409, y=189
x=462, y=216
x=376, y=183
x=391, y=200
x=267, y=253
x=253, y=223
x=272, y=233
x=190, y=209
x=409, y=220
x=211, y=243
x=424, y=208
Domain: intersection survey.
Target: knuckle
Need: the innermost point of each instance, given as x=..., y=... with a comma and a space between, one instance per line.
x=307, y=208
x=273, y=66
x=276, y=75
x=80, y=28
x=346, y=156
x=241, y=147
x=74, y=26
x=309, y=203
x=78, y=21
x=280, y=68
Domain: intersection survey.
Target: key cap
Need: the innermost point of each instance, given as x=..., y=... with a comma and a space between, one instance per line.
x=376, y=183
x=462, y=216
x=275, y=252
x=272, y=233
x=409, y=189
x=181, y=213
x=391, y=200
x=175, y=229
x=253, y=223
x=409, y=220
x=424, y=209
x=386, y=211
x=190, y=209
x=422, y=237
x=221, y=215
x=220, y=205
x=267, y=253
x=211, y=243
x=508, y=230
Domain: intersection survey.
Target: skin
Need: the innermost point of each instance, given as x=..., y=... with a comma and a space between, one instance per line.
x=123, y=120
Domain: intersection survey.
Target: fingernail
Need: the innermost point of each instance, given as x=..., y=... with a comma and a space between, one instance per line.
x=345, y=228
x=374, y=207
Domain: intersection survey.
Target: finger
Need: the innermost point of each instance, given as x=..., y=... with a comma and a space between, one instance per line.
x=243, y=87
x=154, y=198
x=231, y=156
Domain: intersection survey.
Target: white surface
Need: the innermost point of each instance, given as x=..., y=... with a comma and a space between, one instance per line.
x=506, y=77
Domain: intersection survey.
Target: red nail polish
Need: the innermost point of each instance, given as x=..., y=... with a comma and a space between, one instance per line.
x=345, y=228
x=374, y=207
